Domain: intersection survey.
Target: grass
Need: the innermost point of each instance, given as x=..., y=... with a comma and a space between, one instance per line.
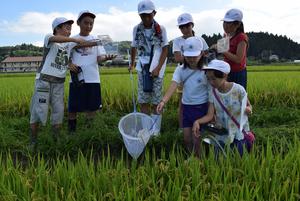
x=94, y=164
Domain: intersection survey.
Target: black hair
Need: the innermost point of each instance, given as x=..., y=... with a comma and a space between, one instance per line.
x=200, y=64
x=58, y=26
x=240, y=29
x=217, y=73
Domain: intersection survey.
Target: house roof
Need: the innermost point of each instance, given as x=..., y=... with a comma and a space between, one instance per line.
x=22, y=59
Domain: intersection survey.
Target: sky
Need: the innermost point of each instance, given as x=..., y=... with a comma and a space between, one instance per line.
x=28, y=21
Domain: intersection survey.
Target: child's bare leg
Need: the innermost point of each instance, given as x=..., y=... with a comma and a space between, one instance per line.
x=72, y=121
x=90, y=116
x=145, y=108
x=34, y=127
x=187, y=138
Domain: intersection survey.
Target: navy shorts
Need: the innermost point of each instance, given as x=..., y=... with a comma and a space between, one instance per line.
x=239, y=78
x=193, y=112
x=85, y=97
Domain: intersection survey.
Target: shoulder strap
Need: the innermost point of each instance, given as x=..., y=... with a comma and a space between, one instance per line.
x=192, y=73
x=227, y=112
x=151, y=55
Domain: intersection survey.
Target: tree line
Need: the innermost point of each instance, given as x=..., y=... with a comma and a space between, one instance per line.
x=261, y=46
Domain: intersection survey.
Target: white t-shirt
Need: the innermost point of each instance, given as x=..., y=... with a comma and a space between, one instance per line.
x=144, y=59
x=56, y=58
x=86, y=58
x=235, y=100
x=179, y=42
x=195, y=87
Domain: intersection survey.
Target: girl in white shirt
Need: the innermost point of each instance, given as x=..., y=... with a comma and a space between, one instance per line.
x=195, y=90
x=185, y=23
x=234, y=98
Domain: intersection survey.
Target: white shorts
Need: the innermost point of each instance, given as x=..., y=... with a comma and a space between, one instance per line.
x=45, y=94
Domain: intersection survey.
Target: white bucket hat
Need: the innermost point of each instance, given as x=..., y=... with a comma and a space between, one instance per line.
x=60, y=20
x=184, y=18
x=218, y=65
x=146, y=6
x=192, y=47
x=233, y=15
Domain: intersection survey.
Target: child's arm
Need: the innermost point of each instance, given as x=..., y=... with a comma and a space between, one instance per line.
x=178, y=57
x=162, y=59
x=106, y=57
x=248, y=108
x=207, y=118
x=65, y=39
x=240, y=53
x=167, y=96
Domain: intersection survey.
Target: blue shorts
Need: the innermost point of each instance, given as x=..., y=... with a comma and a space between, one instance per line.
x=193, y=112
x=239, y=78
x=85, y=97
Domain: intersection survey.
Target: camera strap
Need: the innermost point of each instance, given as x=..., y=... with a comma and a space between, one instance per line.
x=151, y=56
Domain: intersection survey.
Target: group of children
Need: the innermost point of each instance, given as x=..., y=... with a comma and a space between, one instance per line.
x=207, y=87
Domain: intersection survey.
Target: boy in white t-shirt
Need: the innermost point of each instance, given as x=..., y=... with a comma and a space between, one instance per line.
x=50, y=77
x=146, y=36
x=85, y=97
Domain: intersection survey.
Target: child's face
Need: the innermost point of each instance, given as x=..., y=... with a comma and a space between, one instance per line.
x=193, y=61
x=230, y=27
x=65, y=30
x=147, y=19
x=186, y=29
x=86, y=25
x=213, y=80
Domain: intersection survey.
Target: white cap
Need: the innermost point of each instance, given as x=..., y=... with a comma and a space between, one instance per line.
x=218, y=65
x=146, y=6
x=233, y=15
x=184, y=18
x=60, y=20
x=86, y=12
x=192, y=47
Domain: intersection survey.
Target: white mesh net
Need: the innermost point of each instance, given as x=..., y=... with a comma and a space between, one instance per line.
x=136, y=130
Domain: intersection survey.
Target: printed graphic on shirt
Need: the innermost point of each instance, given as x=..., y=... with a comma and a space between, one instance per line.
x=61, y=59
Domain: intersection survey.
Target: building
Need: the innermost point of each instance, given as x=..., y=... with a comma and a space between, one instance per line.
x=20, y=64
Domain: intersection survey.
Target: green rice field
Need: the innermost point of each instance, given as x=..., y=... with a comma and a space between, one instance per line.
x=94, y=163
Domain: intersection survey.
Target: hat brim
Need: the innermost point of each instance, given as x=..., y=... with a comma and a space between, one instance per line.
x=183, y=23
x=214, y=68
x=191, y=53
x=146, y=12
x=229, y=20
x=64, y=22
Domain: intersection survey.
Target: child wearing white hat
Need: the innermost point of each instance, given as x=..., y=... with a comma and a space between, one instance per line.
x=236, y=56
x=185, y=23
x=234, y=98
x=195, y=90
x=50, y=78
x=85, y=97
x=150, y=43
